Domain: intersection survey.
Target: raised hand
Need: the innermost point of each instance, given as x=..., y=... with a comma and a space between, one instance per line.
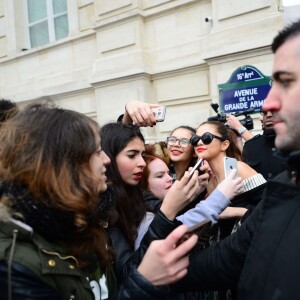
x=231, y=186
x=164, y=261
x=233, y=122
x=139, y=113
x=203, y=178
x=180, y=194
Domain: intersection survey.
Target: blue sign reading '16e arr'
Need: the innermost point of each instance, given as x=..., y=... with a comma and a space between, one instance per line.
x=246, y=89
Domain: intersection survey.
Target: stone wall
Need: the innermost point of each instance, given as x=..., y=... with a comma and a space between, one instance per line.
x=158, y=51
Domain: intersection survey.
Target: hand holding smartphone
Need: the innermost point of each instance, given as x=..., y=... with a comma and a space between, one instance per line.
x=196, y=167
x=230, y=164
x=201, y=229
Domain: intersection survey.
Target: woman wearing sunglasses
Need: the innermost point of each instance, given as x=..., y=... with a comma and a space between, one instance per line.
x=213, y=142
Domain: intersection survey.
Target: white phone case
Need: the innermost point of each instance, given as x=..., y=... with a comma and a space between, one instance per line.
x=230, y=164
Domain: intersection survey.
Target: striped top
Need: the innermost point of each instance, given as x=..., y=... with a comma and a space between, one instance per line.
x=253, y=182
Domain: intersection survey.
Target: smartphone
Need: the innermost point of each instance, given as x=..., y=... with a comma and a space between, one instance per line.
x=201, y=229
x=196, y=167
x=230, y=164
x=159, y=113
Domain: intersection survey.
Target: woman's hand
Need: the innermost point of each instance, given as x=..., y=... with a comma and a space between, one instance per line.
x=139, y=113
x=165, y=261
x=230, y=186
x=203, y=178
x=180, y=194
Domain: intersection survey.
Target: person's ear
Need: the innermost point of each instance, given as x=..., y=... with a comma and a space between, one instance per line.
x=225, y=145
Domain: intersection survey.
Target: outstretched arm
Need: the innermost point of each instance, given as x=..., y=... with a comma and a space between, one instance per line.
x=181, y=193
x=234, y=123
x=220, y=265
x=139, y=113
x=165, y=261
x=213, y=206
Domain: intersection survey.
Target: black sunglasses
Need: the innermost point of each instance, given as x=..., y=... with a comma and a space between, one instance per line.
x=206, y=138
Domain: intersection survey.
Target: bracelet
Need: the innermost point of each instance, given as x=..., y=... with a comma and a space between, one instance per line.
x=242, y=130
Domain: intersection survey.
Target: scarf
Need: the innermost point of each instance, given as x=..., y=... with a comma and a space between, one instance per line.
x=52, y=223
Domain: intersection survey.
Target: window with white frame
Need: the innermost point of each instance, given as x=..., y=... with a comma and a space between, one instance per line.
x=47, y=21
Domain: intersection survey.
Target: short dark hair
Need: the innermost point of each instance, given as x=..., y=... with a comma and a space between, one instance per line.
x=286, y=33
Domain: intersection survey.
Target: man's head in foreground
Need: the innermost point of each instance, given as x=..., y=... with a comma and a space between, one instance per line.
x=283, y=99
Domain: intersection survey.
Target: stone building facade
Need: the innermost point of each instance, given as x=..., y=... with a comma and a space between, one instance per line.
x=171, y=52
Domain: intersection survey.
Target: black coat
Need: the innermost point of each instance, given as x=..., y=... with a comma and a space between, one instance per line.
x=261, y=154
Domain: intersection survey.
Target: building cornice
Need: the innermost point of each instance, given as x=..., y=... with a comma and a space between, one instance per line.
x=261, y=51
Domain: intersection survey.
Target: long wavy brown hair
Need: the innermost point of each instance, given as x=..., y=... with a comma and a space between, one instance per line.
x=48, y=149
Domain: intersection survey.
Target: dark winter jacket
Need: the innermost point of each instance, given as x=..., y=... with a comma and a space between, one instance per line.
x=32, y=268
x=39, y=270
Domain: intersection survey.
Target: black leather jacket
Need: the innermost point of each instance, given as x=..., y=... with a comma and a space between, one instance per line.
x=126, y=258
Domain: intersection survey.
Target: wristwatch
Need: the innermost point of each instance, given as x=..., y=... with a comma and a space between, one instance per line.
x=242, y=130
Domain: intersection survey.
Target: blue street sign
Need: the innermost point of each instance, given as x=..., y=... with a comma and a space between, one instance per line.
x=247, y=88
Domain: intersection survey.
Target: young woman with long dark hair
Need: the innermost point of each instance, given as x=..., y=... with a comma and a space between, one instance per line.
x=125, y=146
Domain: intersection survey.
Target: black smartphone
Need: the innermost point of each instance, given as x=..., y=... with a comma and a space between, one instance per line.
x=201, y=229
x=196, y=167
